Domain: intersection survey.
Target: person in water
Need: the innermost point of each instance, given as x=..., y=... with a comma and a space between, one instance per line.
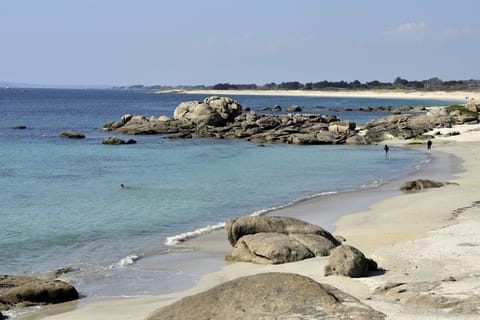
x=386, y=148
x=122, y=186
x=429, y=146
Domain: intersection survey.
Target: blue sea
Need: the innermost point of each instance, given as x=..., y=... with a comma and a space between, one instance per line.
x=61, y=204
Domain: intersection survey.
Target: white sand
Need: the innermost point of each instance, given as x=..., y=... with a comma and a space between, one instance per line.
x=405, y=94
x=414, y=236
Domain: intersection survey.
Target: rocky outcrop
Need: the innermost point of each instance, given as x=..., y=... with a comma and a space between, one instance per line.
x=72, y=135
x=117, y=141
x=276, y=240
x=223, y=118
x=423, y=184
x=350, y=262
x=431, y=295
x=21, y=291
x=269, y=296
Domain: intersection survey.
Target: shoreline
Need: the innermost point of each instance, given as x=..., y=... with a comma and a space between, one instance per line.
x=140, y=307
x=460, y=96
x=345, y=225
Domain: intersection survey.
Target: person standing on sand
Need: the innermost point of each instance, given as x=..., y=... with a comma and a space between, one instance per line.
x=429, y=146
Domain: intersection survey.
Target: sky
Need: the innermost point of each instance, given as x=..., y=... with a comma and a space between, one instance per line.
x=194, y=42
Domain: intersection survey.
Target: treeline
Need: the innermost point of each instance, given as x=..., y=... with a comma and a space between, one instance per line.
x=398, y=83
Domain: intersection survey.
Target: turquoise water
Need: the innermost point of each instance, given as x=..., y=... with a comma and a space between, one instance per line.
x=62, y=205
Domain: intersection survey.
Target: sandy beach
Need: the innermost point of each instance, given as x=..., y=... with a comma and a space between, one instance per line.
x=395, y=94
x=418, y=237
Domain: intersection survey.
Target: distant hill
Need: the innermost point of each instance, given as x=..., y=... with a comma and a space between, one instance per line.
x=45, y=86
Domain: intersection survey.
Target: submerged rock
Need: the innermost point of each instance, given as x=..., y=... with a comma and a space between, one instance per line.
x=269, y=296
x=117, y=141
x=72, y=135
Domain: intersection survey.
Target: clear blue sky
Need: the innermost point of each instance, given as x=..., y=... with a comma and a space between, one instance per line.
x=91, y=42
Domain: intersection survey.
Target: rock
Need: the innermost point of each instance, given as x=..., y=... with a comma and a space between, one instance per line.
x=21, y=291
x=117, y=141
x=277, y=108
x=72, y=135
x=19, y=127
x=294, y=109
x=357, y=140
x=60, y=272
x=423, y=184
x=348, y=261
x=268, y=248
x=275, y=240
x=241, y=226
x=269, y=296
x=471, y=106
x=213, y=111
x=431, y=295
x=342, y=126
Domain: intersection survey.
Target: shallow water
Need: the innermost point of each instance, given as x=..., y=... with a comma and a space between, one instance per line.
x=62, y=205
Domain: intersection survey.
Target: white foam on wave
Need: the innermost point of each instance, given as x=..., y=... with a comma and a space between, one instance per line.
x=127, y=261
x=177, y=239
x=174, y=240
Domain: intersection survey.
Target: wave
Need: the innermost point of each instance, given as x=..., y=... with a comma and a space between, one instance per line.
x=175, y=240
x=180, y=238
x=128, y=260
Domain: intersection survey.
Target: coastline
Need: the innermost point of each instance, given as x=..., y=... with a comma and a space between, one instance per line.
x=352, y=224
x=460, y=96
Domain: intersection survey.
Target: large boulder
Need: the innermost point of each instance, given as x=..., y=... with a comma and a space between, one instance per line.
x=269, y=296
x=348, y=261
x=268, y=248
x=241, y=226
x=213, y=111
x=22, y=291
x=275, y=240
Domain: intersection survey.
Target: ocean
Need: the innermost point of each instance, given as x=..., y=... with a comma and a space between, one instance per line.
x=61, y=204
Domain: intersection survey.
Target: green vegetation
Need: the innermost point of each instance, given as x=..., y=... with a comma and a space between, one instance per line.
x=398, y=84
x=462, y=109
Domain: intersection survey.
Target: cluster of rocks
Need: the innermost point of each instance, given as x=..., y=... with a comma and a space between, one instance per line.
x=23, y=291
x=276, y=240
x=223, y=117
x=388, y=109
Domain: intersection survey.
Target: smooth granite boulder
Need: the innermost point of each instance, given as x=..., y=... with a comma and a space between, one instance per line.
x=269, y=296
x=275, y=240
x=241, y=226
x=268, y=248
x=22, y=291
x=349, y=261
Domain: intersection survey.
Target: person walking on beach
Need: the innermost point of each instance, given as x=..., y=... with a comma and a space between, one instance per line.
x=386, y=148
x=429, y=146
